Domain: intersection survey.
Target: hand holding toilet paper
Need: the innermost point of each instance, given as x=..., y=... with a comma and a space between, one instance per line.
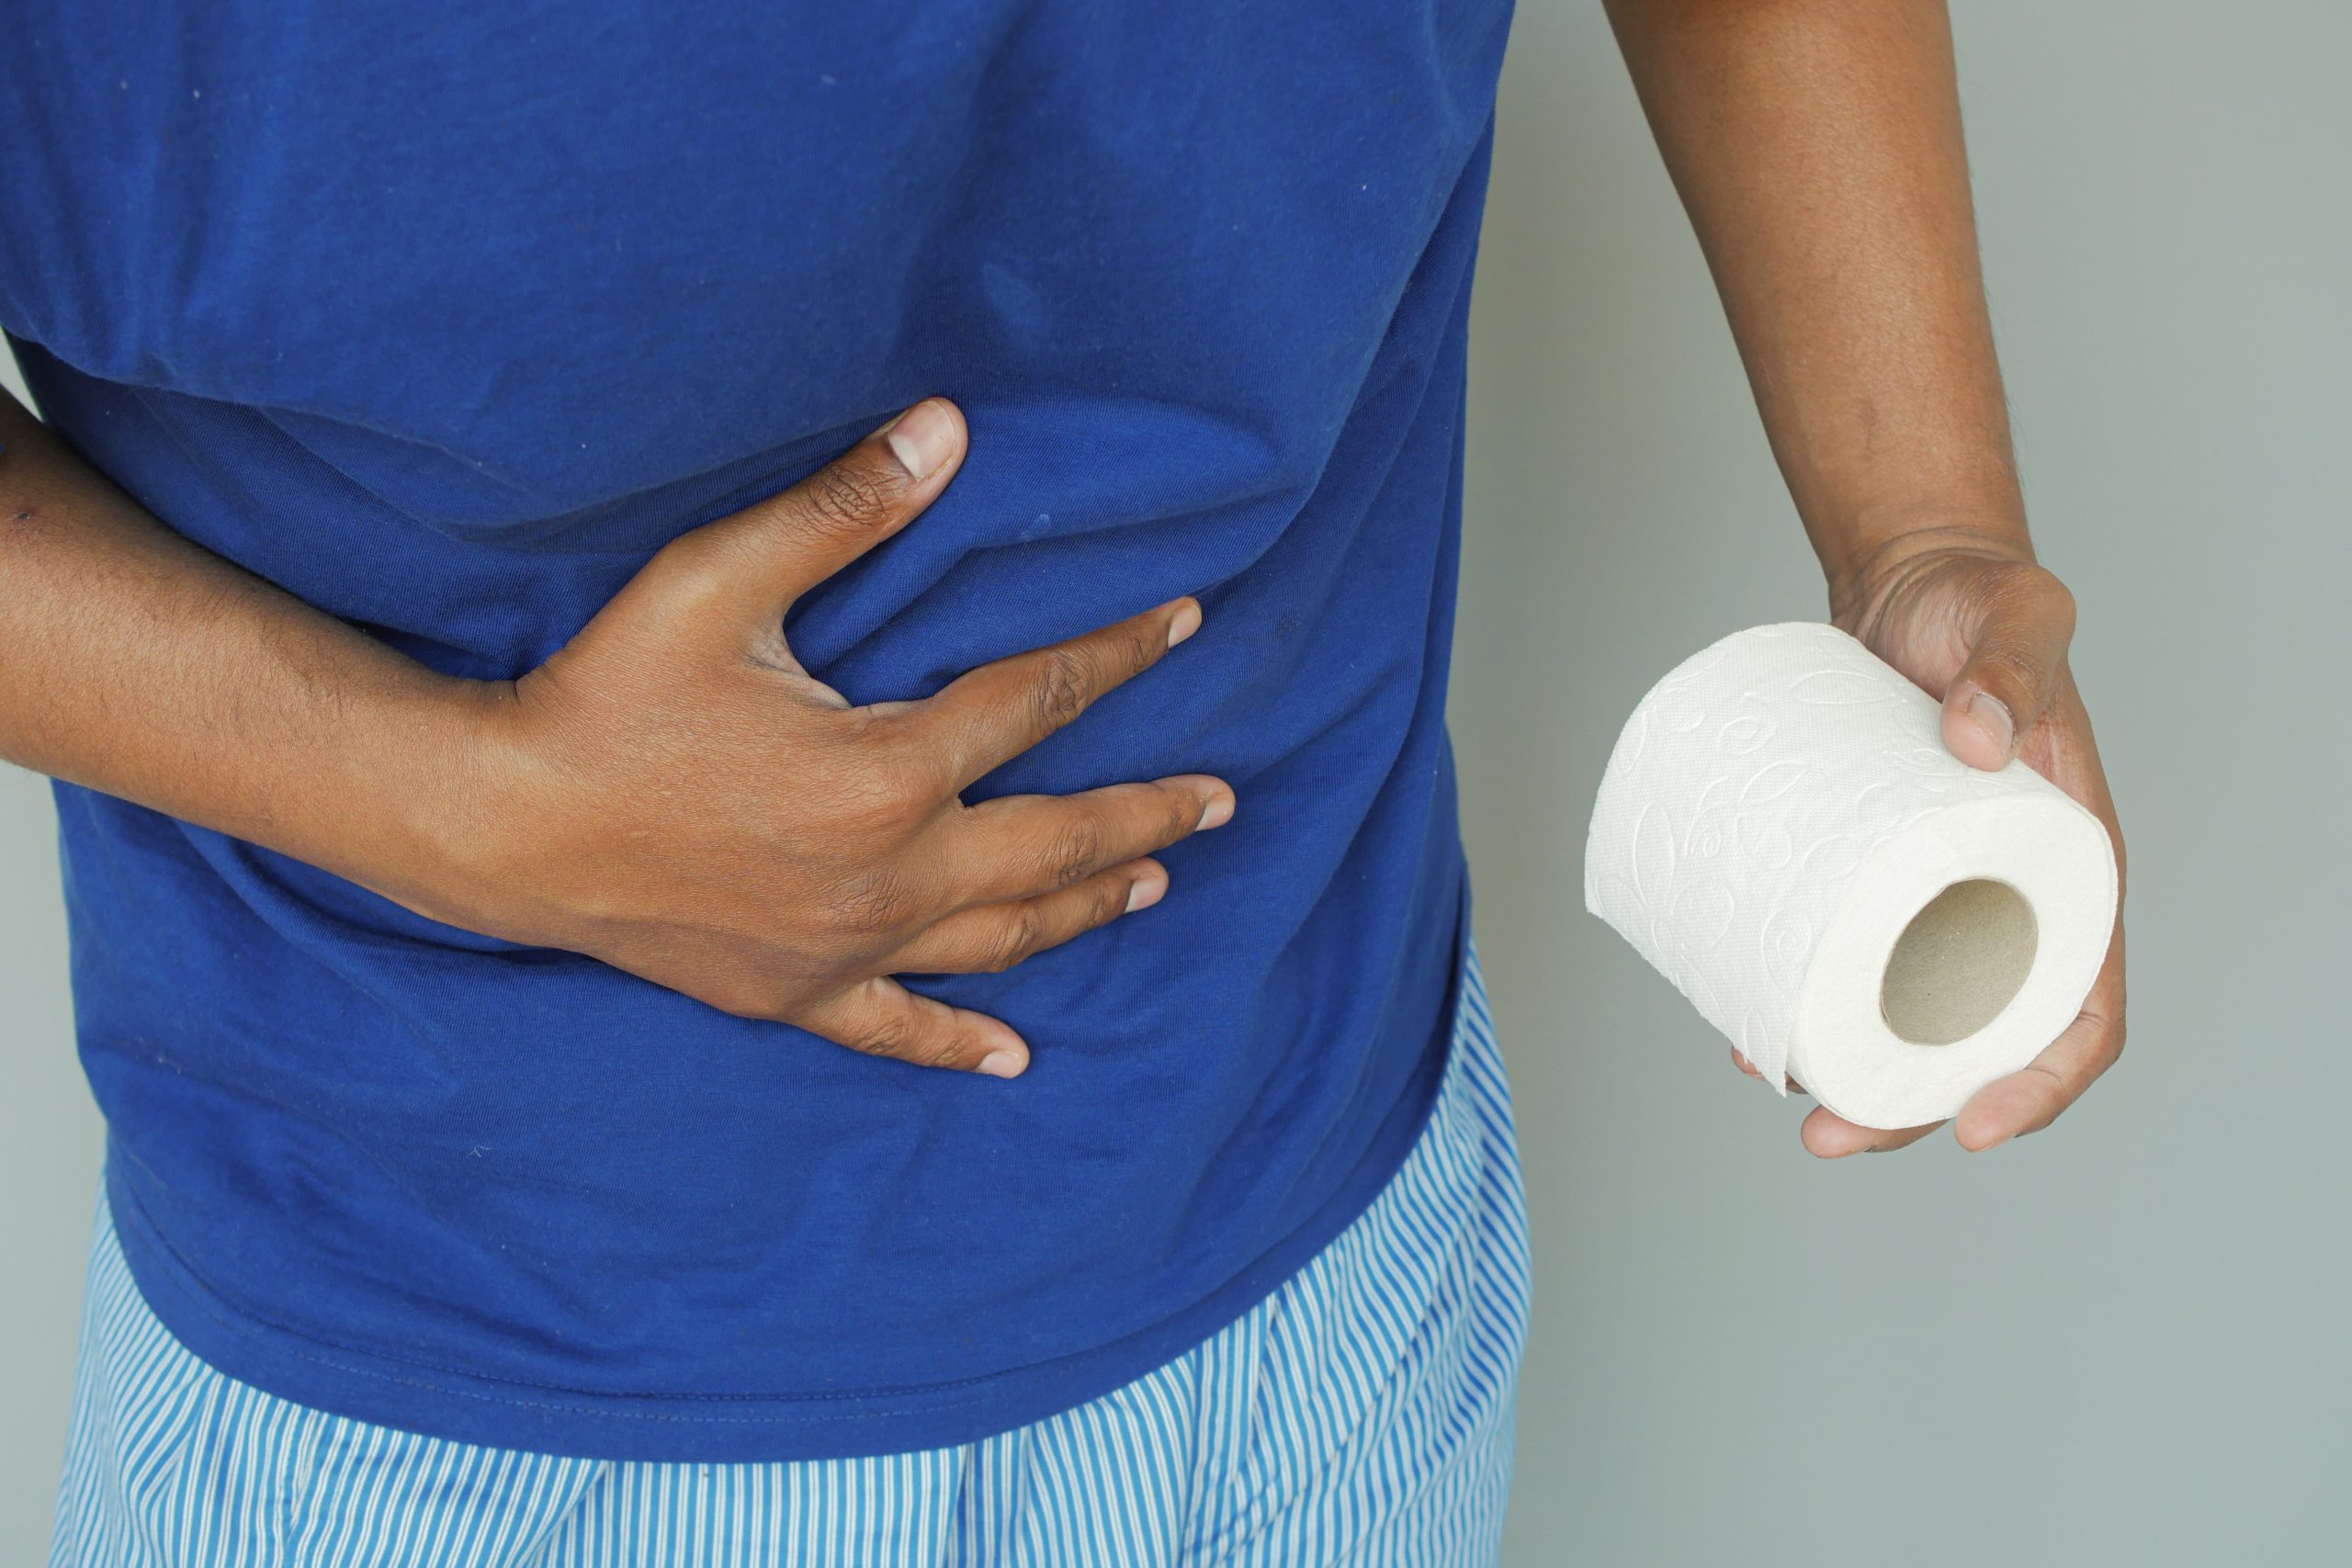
x=1783, y=834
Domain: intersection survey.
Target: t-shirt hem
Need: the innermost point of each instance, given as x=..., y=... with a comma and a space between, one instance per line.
x=849, y=1424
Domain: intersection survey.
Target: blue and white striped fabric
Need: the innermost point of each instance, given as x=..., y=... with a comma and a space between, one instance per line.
x=1362, y=1413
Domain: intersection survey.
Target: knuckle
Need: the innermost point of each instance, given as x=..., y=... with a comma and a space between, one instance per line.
x=944, y=1052
x=1180, y=814
x=1020, y=935
x=1110, y=901
x=1061, y=690
x=892, y=1034
x=1145, y=644
x=848, y=495
x=929, y=1044
x=1075, y=854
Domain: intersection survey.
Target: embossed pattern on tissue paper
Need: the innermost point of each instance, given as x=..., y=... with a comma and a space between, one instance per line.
x=1760, y=776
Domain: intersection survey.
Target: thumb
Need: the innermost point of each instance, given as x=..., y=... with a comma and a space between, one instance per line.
x=2024, y=618
x=747, y=568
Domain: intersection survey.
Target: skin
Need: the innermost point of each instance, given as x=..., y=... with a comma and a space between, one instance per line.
x=621, y=800
x=1816, y=146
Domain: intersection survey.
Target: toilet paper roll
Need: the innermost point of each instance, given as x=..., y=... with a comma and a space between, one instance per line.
x=1782, y=833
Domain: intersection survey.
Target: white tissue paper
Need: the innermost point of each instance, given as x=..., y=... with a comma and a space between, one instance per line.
x=1783, y=834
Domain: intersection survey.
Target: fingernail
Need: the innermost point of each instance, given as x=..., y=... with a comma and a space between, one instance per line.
x=1217, y=813
x=1002, y=1063
x=1992, y=716
x=1147, y=890
x=1185, y=623
x=924, y=439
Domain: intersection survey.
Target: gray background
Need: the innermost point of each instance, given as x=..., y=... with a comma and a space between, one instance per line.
x=2117, y=1342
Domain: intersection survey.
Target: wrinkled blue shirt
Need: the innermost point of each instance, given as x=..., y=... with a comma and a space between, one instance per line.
x=445, y=317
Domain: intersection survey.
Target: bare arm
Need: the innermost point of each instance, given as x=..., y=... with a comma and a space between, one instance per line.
x=622, y=800
x=137, y=663
x=1817, y=145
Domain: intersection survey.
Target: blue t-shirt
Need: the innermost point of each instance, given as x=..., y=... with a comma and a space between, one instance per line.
x=445, y=317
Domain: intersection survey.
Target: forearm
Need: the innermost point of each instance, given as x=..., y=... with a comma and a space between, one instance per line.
x=137, y=663
x=1817, y=145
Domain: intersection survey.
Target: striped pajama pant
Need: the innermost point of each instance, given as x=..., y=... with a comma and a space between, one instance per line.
x=1360, y=1415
